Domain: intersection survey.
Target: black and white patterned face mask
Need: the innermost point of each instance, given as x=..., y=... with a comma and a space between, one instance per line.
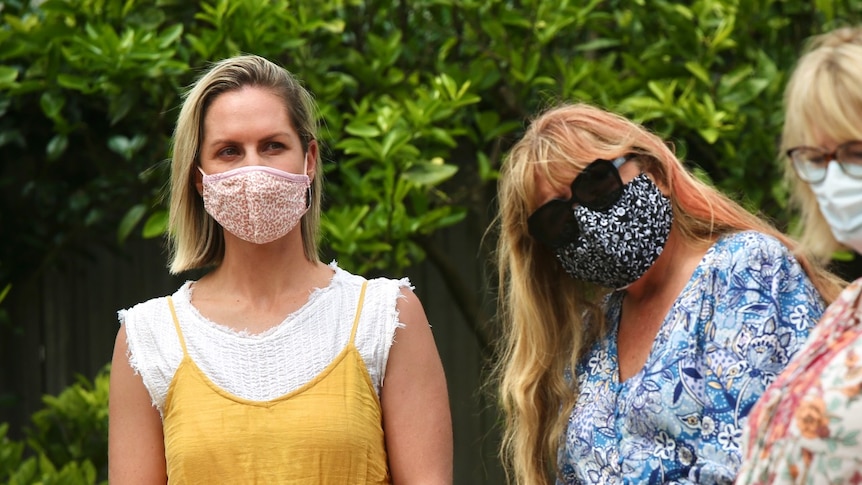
x=617, y=245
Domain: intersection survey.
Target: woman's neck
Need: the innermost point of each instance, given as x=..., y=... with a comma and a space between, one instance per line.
x=671, y=271
x=258, y=270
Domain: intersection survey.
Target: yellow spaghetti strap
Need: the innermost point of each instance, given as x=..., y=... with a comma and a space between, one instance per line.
x=177, y=325
x=358, y=310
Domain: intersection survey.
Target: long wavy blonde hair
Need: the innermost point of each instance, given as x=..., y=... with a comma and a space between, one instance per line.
x=823, y=98
x=544, y=312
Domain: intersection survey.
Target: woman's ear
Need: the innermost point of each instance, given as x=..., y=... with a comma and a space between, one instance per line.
x=199, y=180
x=311, y=156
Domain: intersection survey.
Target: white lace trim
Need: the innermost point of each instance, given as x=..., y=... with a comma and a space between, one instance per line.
x=264, y=366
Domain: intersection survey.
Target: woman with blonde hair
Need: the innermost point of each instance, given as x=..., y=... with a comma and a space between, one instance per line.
x=644, y=312
x=269, y=368
x=822, y=102
x=807, y=427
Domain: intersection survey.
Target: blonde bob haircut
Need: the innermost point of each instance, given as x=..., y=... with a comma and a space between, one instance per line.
x=823, y=99
x=544, y=312
x=195, y=238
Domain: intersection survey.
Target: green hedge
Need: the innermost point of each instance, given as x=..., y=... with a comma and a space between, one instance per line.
x=419, y=98
x=66, y=442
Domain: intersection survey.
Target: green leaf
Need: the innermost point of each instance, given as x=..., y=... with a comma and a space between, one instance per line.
x=10, y=136
x=430, y=174
x=130, y=220
x=366, y=148
x=596, y=44
x=52, y=103
x=393, y=142
x=120, y=106
x=745, y=92
x=170, y=36
x=486, y=172
x=119, y=144
x=709, y=134
x=126, y=147
x=363, y=130
x=3, y=293
x=826, y=7
x=443, y=136
x=77, y=83
x=56, y=146
x=156, y=225
x=698, y=71
x=8, y=75
x=502, y=129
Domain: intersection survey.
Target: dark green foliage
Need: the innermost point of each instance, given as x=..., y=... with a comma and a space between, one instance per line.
x=86, y=98
x=419, y=100
x=67, y=441
x=73, y=426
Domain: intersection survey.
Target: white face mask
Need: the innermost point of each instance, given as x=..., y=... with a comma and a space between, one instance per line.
x=255, y=203
x=840, y=199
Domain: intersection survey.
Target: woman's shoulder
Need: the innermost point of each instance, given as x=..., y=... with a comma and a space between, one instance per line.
x=743, y=240
x=378, y=283
x=392, y=298
x=154, y=307
x=739, y=256
x=749, y=247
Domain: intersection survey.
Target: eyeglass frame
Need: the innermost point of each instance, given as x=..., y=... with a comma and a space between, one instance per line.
x=828, y=157
x=604, y=202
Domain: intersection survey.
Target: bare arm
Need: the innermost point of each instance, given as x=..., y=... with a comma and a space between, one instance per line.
x=136, y=449
x=417, y=422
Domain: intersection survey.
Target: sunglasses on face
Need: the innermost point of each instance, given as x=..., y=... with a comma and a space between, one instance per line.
x=811, y=162
x=597, y=187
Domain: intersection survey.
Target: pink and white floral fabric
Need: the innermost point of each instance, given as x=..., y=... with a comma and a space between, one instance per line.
x=807, y=427
x=255, y=203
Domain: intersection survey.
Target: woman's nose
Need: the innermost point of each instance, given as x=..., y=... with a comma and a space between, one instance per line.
x=252, y=157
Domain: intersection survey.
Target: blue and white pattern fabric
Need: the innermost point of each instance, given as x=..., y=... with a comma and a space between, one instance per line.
x=747, y=309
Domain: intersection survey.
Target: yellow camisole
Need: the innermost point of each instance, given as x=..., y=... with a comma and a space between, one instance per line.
x=328, y=431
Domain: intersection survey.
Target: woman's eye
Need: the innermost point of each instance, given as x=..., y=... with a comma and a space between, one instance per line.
x=228, y=152
x=854, y=155
x=274, y=145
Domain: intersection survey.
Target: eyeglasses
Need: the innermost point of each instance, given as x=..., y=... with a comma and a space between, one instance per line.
x=597, y=187
x=811, y=162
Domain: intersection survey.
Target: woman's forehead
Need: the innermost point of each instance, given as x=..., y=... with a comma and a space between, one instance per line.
x=556, y=172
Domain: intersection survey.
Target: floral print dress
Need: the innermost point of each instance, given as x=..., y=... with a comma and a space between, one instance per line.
x=746, y=310
x=807, y=428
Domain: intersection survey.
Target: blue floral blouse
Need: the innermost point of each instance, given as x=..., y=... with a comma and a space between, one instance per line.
x=747, y=309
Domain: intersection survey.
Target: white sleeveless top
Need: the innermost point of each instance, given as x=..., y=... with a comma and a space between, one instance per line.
x=264, y=366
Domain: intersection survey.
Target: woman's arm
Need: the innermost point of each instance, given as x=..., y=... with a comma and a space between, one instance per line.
x=416, y=419
x=136, y=448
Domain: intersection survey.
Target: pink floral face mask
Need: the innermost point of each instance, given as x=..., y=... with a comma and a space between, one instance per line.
x=255, y=203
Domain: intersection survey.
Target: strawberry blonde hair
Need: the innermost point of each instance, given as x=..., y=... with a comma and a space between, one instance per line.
x=544, y=312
